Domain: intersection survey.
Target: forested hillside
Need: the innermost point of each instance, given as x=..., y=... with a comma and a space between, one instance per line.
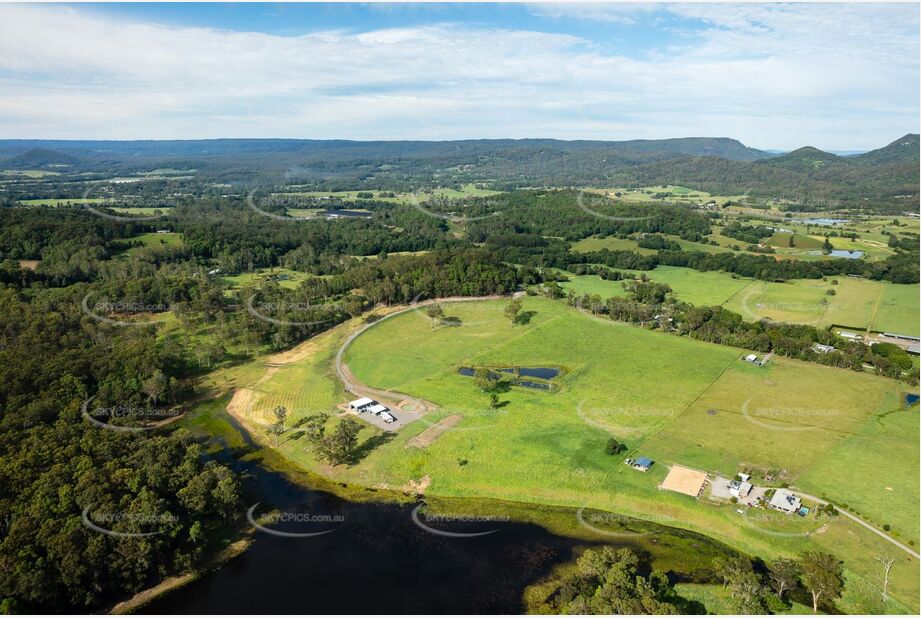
x=884, y=180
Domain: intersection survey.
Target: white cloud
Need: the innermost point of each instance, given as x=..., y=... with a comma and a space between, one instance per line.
x=836, y=77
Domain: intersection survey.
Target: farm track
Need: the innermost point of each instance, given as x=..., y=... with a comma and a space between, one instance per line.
x=863, y=523
x=353, y=385
x=875, y=315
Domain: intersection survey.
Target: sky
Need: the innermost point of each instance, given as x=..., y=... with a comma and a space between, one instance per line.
x=774, y=76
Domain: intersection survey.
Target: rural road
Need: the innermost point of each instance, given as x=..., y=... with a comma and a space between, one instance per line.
x=356, y=387
x=856, y=519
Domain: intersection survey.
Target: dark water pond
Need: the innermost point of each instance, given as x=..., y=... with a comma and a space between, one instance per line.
x=543, y=373
x=841, y=253
x=823, y=221
x=375, y=561
x=347, y=213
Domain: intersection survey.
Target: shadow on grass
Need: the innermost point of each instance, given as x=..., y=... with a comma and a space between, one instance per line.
x=368, y=446
x=524, y=317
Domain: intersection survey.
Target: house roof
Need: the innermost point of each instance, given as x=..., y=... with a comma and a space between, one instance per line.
x=643, y=461
x=364, y=401
x=785, y=500
x=378, y=408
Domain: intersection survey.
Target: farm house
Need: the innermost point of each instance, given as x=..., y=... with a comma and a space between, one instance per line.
x=784, y=500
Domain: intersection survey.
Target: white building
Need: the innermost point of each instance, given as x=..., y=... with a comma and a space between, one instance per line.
x=784, y=500
x=388, y=417
x=378, y=409
x=361, y=405
x=740, y=489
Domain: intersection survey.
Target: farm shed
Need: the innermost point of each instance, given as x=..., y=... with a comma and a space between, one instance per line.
x=642, y=463
x=685, y=481
x=378, y=409
x=360, y=405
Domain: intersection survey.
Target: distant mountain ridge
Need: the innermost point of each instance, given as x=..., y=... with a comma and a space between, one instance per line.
x=885, y=179
x=36, y=158
x=724, y=147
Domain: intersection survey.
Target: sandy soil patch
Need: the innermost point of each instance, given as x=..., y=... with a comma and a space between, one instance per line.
x=242, y=402
x=431, y=434
x=684, y=481
x=268, y=374
x=418, y=487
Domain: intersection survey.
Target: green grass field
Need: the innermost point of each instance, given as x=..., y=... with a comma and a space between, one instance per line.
x=899, y=310
x=29, y=173
x=858, y=303
x=153, y=240
x=292, y=281
x=651, y=390
x=142, y=210
x=468, y=190
x=61, y=201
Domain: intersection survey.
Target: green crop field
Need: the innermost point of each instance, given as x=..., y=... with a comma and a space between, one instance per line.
x=899, y=310
x=155, y=240
x=612, y=243
x=885, y=495
x=291, y=279
x=593, y=284
x=467, y=190
x=61, y=201
x=858, y=303
x=651, y=390
x=143, y=210
x=29, y=173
